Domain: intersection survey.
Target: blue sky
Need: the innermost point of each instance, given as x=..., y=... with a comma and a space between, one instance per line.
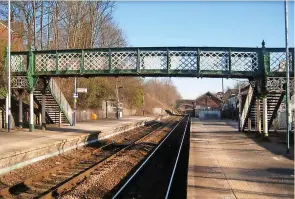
x=243, y=24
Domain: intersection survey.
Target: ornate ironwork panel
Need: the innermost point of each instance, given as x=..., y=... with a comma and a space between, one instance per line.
x=18, y=63
x=124, y=60
x=183, y=60
x=45, y=62
x=278, y=84
x=278, y=61
x=244, y=61
x=275, y=83
x=69, y=61
x=96, y=60
x=19, y=82
x=153, y=60
x=214, y=60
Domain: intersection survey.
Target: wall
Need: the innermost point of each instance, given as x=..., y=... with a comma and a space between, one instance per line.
x=85, y=114
x=209, y=114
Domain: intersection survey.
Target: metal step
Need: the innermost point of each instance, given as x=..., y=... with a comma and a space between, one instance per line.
x=52, y=107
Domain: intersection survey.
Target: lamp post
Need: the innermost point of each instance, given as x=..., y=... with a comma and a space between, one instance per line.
x=9, y=83
x=287, y=79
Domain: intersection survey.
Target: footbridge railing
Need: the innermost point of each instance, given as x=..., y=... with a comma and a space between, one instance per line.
x=61, y=100
x=228, y=62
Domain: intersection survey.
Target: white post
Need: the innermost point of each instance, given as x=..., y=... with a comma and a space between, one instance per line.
x=31, y=111
x=40, y=119
x=258, y=119
x=249, y=124
x=265, y=122
x=6, y=112
x=8, y=62
x=20, y=110
x=59, y=118
x=43, y=120
x=288, y=95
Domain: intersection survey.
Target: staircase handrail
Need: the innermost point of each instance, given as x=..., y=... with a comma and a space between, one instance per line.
x=246, y=106
x=61, y=100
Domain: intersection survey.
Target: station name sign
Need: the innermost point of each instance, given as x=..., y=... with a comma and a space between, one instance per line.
x=81, y=90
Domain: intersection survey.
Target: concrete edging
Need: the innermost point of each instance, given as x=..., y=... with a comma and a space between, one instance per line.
x=24, y=158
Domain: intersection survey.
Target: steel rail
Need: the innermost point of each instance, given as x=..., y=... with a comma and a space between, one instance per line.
x=144, y=163
x=86, y=172
x=177, y=160
x=6, y=191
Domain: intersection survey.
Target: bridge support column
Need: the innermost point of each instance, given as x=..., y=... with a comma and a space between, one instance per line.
x=31, y=111
x=59, y=118
x=43, y=114
x=258, y=119
x=249, y=124
x=265, y=121
x=20, y=108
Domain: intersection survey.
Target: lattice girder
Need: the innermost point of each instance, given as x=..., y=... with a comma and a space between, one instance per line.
x=279, y=84
x=156, y=61
x=19, y=63
x=19, y=82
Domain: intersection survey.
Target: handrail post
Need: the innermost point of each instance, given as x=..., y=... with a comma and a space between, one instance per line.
x=138, y=61
x=82, y=61
x=168, y=61
x=198, y=62
x=229, y=61
x=56, y=62
x=110, y=60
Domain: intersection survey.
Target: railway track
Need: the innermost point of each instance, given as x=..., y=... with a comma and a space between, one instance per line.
x=155, y=177
x=53, y=182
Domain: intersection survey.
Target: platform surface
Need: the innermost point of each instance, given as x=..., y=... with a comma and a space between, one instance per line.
x=227, y=164
x=18, y=141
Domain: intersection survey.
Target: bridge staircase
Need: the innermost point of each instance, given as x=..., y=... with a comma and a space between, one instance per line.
x=55, y=102
x=274, y=100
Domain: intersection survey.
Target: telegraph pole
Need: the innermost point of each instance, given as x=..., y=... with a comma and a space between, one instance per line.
x=287, y=79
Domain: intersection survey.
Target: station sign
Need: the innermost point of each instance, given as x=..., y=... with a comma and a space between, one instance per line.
x=81, y=90
x=75, y=95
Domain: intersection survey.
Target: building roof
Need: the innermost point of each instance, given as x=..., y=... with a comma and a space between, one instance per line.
x=229, y=93
x=220, y=95
x=209, y=94
x=209, y=99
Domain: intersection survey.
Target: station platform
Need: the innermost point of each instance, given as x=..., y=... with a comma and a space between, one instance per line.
x=227, y=164
x=21, y=147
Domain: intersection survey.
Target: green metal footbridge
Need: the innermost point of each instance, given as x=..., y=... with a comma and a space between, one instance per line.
x=33, y=70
